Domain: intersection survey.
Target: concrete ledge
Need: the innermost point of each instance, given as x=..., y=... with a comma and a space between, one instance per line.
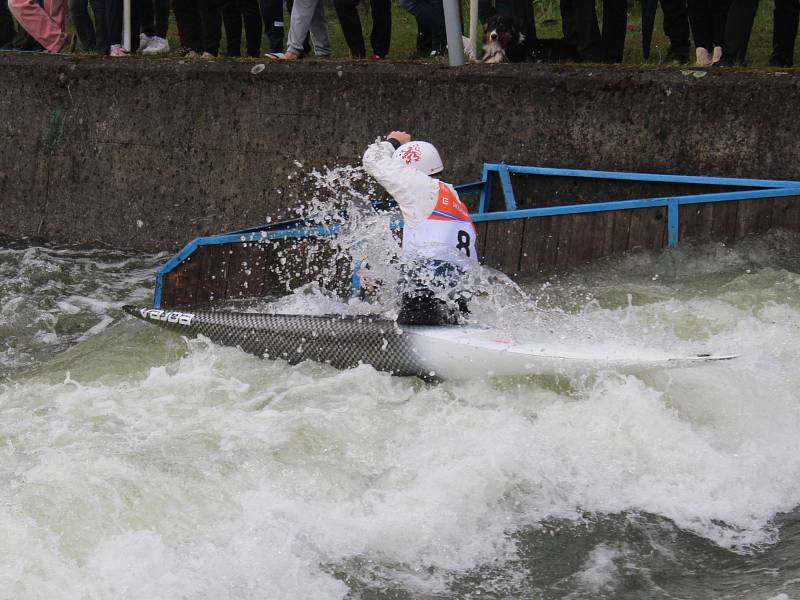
x=147, y=154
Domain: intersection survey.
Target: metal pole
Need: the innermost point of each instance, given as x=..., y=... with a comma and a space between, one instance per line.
x=452, y=22
x=473, y=29
x=126, y=25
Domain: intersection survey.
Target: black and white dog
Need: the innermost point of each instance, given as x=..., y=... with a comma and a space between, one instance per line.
x=513, y=39
x=503, y=41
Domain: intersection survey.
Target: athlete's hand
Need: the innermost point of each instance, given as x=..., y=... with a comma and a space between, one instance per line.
x=400, y=136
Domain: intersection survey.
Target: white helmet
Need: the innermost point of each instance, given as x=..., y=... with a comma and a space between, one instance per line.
x=423, y=156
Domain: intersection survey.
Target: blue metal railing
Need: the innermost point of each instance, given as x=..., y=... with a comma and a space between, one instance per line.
x=768, y=188
x=299, y=228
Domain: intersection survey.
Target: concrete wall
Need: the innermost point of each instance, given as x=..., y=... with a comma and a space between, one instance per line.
x=149, y=154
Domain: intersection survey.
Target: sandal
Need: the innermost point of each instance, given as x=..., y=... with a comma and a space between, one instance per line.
x=282, y=56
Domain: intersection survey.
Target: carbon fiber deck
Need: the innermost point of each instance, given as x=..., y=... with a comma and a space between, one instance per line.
x=340, y=341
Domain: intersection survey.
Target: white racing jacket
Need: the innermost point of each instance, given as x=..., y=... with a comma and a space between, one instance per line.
x=436, y=223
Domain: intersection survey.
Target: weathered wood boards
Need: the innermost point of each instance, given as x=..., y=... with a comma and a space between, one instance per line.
x=547, y=243
x=255, y=269
x=515, y=246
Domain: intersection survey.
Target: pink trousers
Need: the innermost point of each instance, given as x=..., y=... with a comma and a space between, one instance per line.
x=47, y=24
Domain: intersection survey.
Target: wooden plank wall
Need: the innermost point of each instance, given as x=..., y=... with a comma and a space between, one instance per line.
x=274, y=268
x=255, y=270
x=548, y=243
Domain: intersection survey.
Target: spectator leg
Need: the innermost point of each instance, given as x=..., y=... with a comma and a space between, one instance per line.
x=190, y=28
x=6, y=24
x=114, y=9
x=272, y=15
x=232, y=20
x=784, y=32
x=700, y=22
x=424, y=42
x=485, y=10
x=522, y=11
x=211, y=20
x=300, y=24
x=738, y=26
x=585, y=32
x=567, y=22
x=46, y=24
x=161, y=8
x=82, y=21
x=676, y=27
x=347, y=11
x=100, y=26
x=615, y=25
x=148, y=18
x=431, y=14
x=719, y=13
x=253, y=27
x=381, y=37
x=319, y=31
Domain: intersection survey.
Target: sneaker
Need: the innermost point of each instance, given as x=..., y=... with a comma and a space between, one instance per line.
x=702, y=57
x=144, y=42
x=207, y=55
x=118, y=51
x=717, y=55
x=377, y=57
x=157, y=45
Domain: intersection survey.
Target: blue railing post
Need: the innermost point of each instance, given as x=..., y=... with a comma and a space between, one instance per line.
x=673, y=226
x=486, y=193
x=508, y=190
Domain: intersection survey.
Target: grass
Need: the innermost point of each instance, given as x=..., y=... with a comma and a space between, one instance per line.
x=548, y=18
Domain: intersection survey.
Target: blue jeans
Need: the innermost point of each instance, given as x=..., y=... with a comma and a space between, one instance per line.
x=430, y=13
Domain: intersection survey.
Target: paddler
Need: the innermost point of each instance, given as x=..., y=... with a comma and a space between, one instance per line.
x=438, y=234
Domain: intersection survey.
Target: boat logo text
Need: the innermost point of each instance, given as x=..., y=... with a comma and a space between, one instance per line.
x=155, y=314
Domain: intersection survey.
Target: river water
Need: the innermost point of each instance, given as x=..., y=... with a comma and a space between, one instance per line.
x=137, y=464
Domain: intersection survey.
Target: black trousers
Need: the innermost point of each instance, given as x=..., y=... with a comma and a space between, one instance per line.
x=579, y=23
x=676, y=25
x=380, y=38
x=738, y=26
x=114, y=15
x=234, y=12
x=155, y=18
x=211, y=23
x=272, y=14
x=187, y=19
x=707, y=20
x=93, y=35
x=6, y=24
x=199, y=24
x=784, y=32
x=430, y=14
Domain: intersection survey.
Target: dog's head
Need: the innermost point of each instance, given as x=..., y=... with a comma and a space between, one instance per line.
x=501, y=30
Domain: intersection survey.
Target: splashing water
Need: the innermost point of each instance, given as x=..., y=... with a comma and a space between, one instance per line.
x=138, y=464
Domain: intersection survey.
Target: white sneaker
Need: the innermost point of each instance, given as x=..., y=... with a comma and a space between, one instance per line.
x=717, y=56
x=207, y=55
x=703, y=57
x=157, y=45
x=144, y=42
